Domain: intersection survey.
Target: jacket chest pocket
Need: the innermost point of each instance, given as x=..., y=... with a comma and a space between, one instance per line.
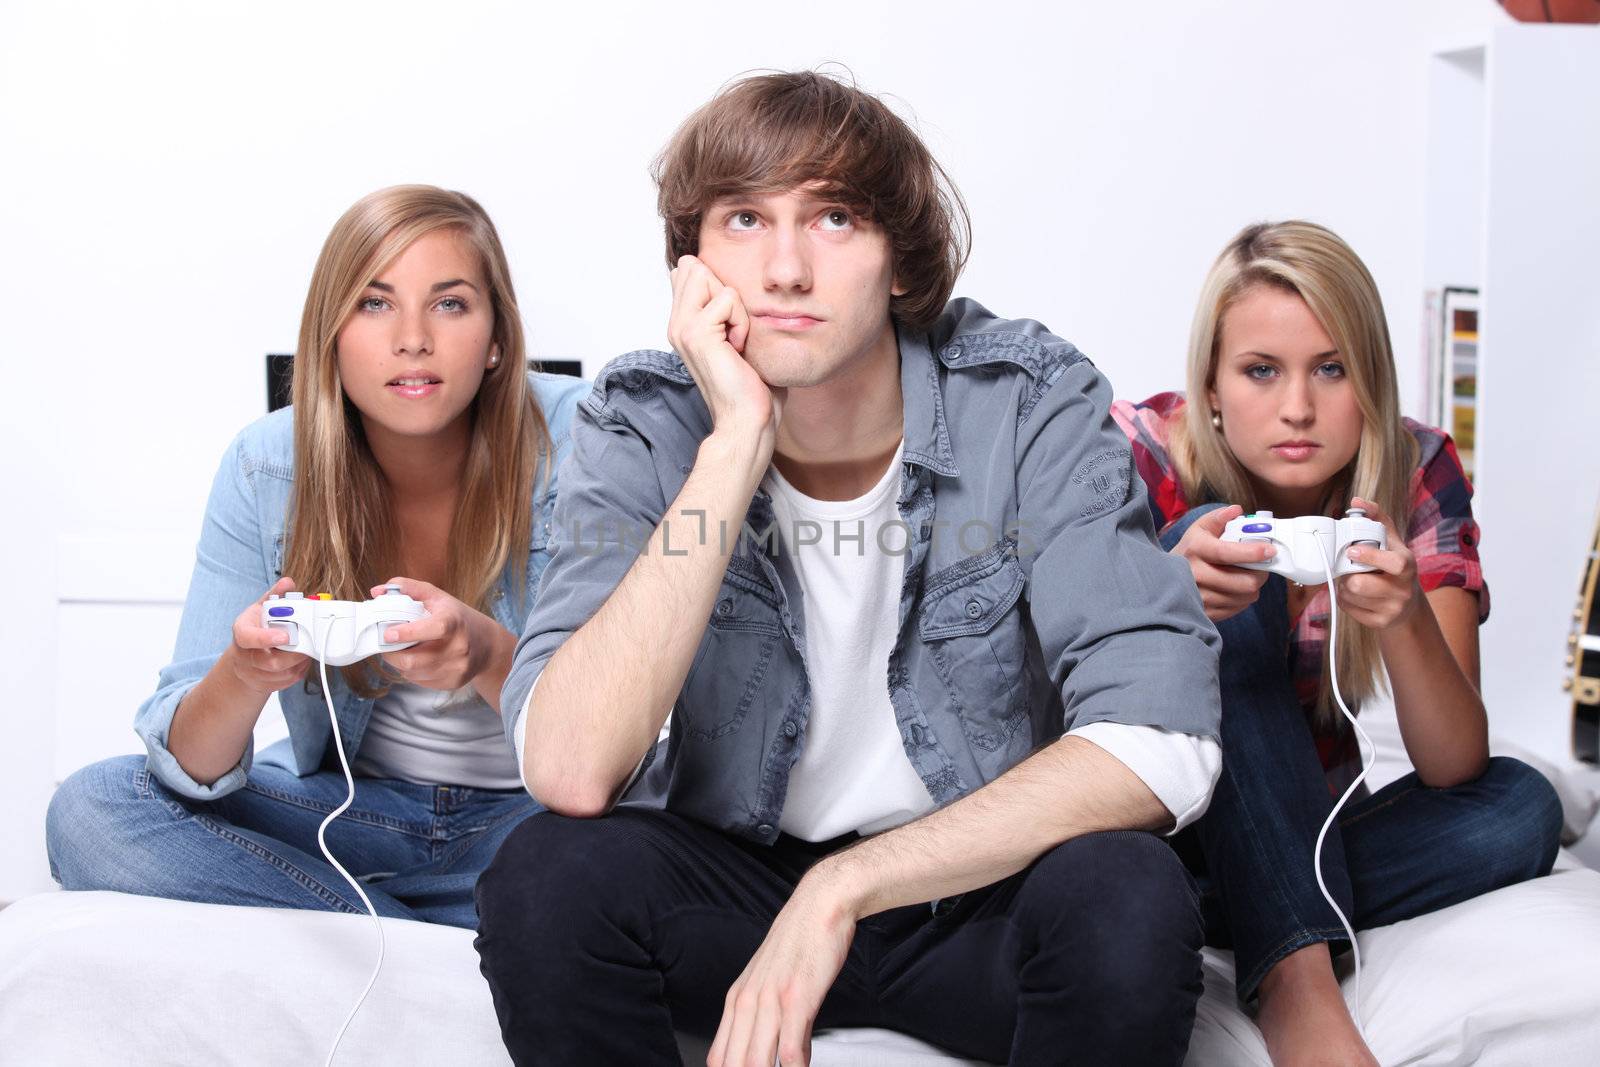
x=974, y=633
x=730, y=670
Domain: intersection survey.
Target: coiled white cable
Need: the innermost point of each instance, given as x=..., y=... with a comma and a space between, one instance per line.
x=350, y=796
x=1367, y=757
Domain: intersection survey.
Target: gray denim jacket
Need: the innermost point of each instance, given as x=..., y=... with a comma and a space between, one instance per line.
x=1036, y=598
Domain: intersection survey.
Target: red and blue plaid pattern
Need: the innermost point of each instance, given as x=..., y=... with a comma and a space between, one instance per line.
x=1441, y=534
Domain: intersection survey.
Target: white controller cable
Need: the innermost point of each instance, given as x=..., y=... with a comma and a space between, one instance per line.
x=1367, y=757
x=350, y=796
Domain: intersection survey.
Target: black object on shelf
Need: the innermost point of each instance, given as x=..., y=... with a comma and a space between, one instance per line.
x=280, y=375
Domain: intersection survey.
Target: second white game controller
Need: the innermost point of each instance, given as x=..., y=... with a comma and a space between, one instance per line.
x=340, y=632
x=1307, y=544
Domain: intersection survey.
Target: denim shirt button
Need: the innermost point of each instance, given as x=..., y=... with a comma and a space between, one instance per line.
x=974, y=609
x=764, y=829
x=724, y=606
x=953, y=352
x=790, y=730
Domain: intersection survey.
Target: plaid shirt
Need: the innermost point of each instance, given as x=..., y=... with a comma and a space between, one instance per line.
x=1442, y=535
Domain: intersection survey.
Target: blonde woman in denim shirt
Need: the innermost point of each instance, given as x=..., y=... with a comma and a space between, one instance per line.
x=417, y=453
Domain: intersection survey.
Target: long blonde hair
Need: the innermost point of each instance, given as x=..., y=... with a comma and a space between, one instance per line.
x=1311, y=262
x=341, y=537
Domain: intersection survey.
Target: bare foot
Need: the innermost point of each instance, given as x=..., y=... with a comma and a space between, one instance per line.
x=1303, y=1016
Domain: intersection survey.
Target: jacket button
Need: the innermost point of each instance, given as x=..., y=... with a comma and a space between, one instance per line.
x=724, y=606
x=764, y=829
x=974, y=609
x=790, y=729
x=953, y=352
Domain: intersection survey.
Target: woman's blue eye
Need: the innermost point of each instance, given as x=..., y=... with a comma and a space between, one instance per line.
x=455, y=304
x=1331, y=370
x=370, y=303
x=1260, y=371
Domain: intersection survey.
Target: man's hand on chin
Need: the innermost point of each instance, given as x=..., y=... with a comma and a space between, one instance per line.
x=770, y=1009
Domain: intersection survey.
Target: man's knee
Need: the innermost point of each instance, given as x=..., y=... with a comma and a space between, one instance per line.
x=556, y=877
x=1125, y=904
x=83, y=825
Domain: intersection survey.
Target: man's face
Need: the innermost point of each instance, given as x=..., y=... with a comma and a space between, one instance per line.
x=815, y=279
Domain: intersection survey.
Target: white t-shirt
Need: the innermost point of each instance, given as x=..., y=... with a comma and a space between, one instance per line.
x=436, y=737
x=853, y=772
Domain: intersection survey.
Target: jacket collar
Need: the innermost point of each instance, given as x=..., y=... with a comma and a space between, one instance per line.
x=927, y=437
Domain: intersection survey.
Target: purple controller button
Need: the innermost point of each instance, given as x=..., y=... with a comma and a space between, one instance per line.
x=1258, y=527
x=279, y=613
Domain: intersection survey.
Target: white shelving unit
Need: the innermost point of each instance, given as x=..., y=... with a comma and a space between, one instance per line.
x=1513, y=209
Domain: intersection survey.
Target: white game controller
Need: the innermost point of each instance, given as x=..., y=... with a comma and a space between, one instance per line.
x=343, y=631
x=1306, y=544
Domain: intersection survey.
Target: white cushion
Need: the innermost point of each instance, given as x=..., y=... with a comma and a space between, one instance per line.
x=87, y=978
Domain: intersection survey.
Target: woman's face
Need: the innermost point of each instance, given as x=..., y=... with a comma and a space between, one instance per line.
x=414, y=351
x=1288, y=410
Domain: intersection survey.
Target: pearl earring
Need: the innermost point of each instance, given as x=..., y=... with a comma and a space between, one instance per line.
x=1216, y=419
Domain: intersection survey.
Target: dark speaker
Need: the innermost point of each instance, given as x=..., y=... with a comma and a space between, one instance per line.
x=570, y=367
x=280, y=374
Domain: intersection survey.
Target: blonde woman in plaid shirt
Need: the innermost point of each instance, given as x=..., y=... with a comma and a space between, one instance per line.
x=1292, y=407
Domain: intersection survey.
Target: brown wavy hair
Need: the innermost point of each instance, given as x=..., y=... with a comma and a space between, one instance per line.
x=774, y=132
x=341, y=536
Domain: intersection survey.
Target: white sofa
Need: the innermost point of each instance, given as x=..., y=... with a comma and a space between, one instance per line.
x=88, y=978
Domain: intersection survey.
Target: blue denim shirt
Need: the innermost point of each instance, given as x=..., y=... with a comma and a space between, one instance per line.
x=1035, y=596
x=240, y=556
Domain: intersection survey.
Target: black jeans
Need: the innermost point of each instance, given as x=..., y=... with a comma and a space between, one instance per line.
x=601, y=937
x=1404, y=851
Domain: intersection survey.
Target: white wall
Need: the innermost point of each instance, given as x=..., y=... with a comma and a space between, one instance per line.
x=173, y=168
x=1539, y=467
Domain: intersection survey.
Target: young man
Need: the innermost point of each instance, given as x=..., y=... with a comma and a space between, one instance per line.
x=931, y=679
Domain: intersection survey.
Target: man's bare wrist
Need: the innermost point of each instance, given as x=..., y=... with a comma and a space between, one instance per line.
x=736, y=447
x=837, y=885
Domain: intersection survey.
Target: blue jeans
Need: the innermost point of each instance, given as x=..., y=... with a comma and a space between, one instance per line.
x=1403, y=851
x=417, y=849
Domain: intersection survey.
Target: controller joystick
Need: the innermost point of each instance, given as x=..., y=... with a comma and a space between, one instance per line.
x=343, y=631
x=1305, y=545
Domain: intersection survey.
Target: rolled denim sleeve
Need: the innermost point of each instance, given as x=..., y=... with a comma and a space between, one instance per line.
x=609, y=504
x=1119, y=621
x=231, y=570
